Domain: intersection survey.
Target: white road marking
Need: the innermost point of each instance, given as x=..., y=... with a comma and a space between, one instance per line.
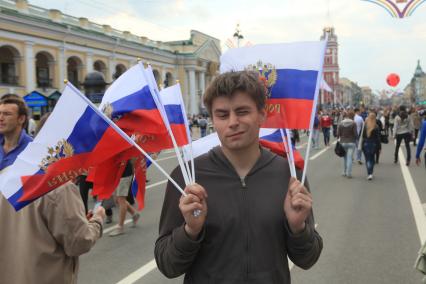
x=416, y=205
x=127, y=221
x=290, y=263
x=138, y=274
x=322, y=151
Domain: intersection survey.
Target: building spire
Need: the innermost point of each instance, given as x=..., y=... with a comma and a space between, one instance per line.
x=419, y=72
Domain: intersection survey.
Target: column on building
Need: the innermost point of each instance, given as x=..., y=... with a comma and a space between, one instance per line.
x=202, y=86
x=192, y=92
x=89, y=62
x=111, y=69
x=61, y=67
x=29, y=67
x=163, y=78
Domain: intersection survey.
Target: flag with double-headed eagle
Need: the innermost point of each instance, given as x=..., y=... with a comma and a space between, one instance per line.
x=291, y=75
x=59, y=152
x=268, y=138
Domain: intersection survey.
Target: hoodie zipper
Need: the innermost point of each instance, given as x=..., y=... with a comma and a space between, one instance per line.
x=245, y=211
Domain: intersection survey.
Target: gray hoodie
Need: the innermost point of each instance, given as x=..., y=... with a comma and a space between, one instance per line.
x=246, y=238
x=347, y=131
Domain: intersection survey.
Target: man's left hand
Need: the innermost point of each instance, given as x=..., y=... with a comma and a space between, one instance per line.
x=297, y=205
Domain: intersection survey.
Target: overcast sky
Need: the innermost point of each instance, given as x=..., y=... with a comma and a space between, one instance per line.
x=372, y=44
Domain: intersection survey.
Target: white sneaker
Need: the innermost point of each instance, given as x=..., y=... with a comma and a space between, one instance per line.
x=117, y=232
x=370, y=177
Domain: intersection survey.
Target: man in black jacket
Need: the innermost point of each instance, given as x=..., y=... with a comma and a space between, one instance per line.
x=253, y=215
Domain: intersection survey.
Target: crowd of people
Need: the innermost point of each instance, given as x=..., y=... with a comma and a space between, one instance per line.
x=362, y=132
x=58, y=227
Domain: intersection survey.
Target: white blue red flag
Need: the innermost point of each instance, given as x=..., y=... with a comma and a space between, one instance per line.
x=59, y=152
x=268, y=138
x=291, y=74
x=171, y=99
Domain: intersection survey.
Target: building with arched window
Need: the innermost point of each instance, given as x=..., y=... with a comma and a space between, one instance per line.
x=39, y=48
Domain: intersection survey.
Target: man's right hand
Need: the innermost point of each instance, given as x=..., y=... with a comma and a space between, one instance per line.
x=418, y=161
x=195, y=199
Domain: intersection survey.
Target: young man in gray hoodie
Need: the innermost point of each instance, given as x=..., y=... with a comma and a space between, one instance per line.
x=253, y=214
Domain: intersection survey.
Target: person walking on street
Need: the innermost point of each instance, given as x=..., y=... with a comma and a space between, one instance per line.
x=417, y=123
x=347, y=133
x=121, y=199
x=316, y=131
x=379, y=146
x=254, y=216
x=370, y=142
x=403, y=130
x=359, y=124
x=326, y=123
x=421, y=144
x=202, y=123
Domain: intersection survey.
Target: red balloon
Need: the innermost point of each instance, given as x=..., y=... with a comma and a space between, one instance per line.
x=392, y=80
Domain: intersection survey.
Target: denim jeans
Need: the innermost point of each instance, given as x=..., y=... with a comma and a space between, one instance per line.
x=315, y=138
x=347, y=159
x=369, y=149
x=326, y=132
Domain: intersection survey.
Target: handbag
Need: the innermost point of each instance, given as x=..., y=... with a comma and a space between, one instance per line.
x=384, y=137
x=339, y=150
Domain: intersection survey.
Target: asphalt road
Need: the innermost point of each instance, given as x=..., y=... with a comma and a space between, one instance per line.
x=371, y=232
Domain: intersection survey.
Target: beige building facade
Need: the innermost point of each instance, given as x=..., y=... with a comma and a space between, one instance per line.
x=39, y=48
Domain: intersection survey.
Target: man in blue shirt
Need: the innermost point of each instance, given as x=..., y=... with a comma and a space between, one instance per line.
x=421, y=143
x=13, y=139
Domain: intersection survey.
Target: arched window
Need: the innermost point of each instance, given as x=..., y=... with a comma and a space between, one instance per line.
x=74, y=65
x=157, y=76
x=9, y=58
x=119, y=69
x=100, y=66
x=44, y=69
x=169, y=80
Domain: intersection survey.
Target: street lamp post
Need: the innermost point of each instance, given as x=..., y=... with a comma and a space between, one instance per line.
x=238, y=35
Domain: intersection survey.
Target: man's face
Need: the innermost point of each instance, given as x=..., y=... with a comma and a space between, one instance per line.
x=9, y=118
x=237, y=121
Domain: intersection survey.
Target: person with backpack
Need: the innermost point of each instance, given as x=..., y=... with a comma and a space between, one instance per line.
x=403, y=130
x=347, y=133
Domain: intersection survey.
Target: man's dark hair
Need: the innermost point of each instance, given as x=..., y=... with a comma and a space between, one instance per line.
x=22, y=107
x=356, y=110
x=227, y=84
x=11, y=96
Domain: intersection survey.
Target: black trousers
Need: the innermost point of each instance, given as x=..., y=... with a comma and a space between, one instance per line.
x=406, y=137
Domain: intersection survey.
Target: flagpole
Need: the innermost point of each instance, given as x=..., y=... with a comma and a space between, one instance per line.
x=124, y=135
x=290, y=146
x=160, y=106
x=287, y=151
x=314, y=108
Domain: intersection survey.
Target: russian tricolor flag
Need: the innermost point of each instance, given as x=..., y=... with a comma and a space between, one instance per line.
x=171, y=99
x=59, y=152
x=273, y=140
x=291, y=73
x=268, y=138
